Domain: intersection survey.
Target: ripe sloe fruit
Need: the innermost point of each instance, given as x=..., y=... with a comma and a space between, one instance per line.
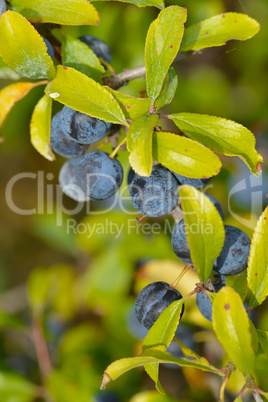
x=179, y=242
x=153, y=300
x=97, y=175
x=106, y=396
x=83, y=128
x=3, y=7
x=156, y=195
x=61, y=143
x=50, y=50
x=204, y=303
x=130, y=176
x=100, y=48
x=235, y=252
x=197, y=183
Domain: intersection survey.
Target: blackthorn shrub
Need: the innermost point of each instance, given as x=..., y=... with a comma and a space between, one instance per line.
x=156, y=195
x=100, y=48
x=153, y=300
x=235, y=252
x=61, y=143
x=179, y=242
x=83, y=128
x=94, y=176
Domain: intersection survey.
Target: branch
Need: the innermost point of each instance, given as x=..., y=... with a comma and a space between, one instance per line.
x=41, y=348
x=127, y=75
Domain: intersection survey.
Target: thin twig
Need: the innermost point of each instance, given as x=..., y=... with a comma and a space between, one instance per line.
x=41, y=348
x=127, y=75
x=256, y=395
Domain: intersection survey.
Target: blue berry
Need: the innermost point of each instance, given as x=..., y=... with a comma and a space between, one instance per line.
x=106, y=396
x=197, y=183
x=61, y=143
x=179, y=242
x=204, y=303
x=3, y=7
x=235, y=252
x=100, y=48
x=153, y=300
x=130, y=176
x=97, y=176
x=83, y=128
x=50, y=50
x=156, y=195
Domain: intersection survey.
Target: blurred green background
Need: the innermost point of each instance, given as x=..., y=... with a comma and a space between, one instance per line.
x=79, y=283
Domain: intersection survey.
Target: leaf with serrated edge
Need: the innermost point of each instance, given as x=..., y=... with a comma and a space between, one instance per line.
x=139, y=144
x=82, y=93
x=221, y=135
x=78, y=55
x=239, y=283
x=151, y=356
x=263, y=340
x=169, y=89
x=163, y=330
x=217, y=30
x=162, y=45
x=64, y=12
x=12, y=94
x=204, y=229
x=143, y=3
x=258, y=262
x=23, y=49
x=153, y=372
x=132, y=107
x=232, y=327
x=40, y=127
x=184, y=156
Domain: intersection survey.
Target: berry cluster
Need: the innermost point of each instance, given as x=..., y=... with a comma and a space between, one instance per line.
x=97, y=176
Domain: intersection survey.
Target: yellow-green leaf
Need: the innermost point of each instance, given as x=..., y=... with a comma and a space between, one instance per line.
x=78, y=55
x=217, y=30
x=40, y=127
x=82, y=93
x=258, y=262
x=139, y=144
x=143, y=3
x=131, y=106
x=23, y=49
x=184, y=156
x=204, y=229
x=162, y=45
x=263, y=340
x=12, y=94
x=150, y=356
x=169, y=89
x=222, y=136
x=64, y=12
x=232, y=327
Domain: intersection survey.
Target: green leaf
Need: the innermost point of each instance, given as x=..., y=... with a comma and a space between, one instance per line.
x=78, y=55
x=82, y=93
x=38, y=289
x=222, y=136
x=232, y=327
x=258, y=262
x=150, y=356
x=40, y=127
x=153, y=372
x=238, y=399
x=6, y=73
x=64, y=12
x=206, y=239
x=162, y=45
x=132, y=107
x=169, y=89
x=151, y=396
x=16, y=387
x=10, y=321
x=143, y=3
x=184, y=156
x=163, y=330
x=139, y=144
x=23, y=49
x=239, y=283
x=216, y=31
x=12, y=94
x=263, y=340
